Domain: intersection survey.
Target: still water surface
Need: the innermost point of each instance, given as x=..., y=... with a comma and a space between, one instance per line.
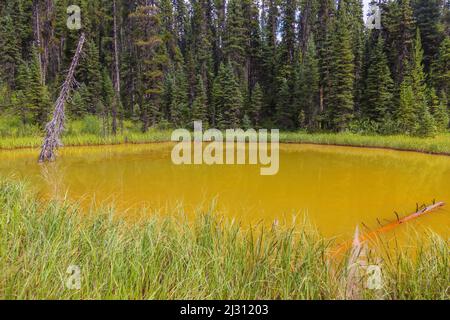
x=336, y=187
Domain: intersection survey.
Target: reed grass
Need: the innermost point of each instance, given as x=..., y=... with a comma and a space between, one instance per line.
x=169, y=257
x=11, y=143
x=436, y=145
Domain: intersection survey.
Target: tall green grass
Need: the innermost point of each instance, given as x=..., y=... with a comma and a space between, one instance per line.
x=90, y=131
x=168, y=257
x=439, y=144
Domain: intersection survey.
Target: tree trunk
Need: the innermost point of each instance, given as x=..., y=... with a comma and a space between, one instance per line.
x=37, y=38
x=116, y=74
x=55, y=127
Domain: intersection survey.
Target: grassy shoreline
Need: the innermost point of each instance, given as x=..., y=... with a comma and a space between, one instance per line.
x=169, y=258
x=439, y=145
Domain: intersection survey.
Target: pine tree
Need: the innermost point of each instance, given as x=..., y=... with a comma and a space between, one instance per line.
x=152, y=61
x=379, y=85
x=179, y=109
x=324, y=33
x=235, y=39
x=167, y=95
x=406, y=117
x=288, y=29
x=426, y=126
x=441, y=68
x=428, y=17
x=199, y=107
x=91, y=75
x=308, y=85
x=358, y=37
x=399, y=25
x=256, y=103
x=76, y=106
x=107, y=97
x=285, y=110
x=181, y=24
x=227, y=99
x=270, y=24
x=253, y=65
x=38, y=94
x=9, y=51
x=342, y=77
x=22, y=101
x=217, y=96
x=439, y=111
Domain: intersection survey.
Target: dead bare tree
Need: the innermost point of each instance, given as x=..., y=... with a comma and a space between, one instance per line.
x=55, y=127
x=37, y=38
x=116, y=74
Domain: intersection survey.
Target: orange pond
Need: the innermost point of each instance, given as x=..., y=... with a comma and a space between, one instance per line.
x=336, y=187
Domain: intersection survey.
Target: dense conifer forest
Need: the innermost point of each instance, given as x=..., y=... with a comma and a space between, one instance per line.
x=287, y=64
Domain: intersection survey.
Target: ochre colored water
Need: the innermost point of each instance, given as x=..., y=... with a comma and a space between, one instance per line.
x=336, y=187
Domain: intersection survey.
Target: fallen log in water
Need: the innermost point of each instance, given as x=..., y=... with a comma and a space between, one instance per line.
x=373, y=234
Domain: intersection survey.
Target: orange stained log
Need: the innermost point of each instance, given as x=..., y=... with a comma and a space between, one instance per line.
x=373, y=234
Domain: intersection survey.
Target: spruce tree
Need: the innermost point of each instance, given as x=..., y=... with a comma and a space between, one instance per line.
x=324, y=33
x=428, y=18
x=37, y=94
x=200, y=40
x=233, y=101
x=256, y=103
x=426, y=125
x=398, y=22
x=307, y=88
x=227, y=97
x=23, y=103
x=270, y=24
x=287, y=48
x=285, y=111
x=405, y=115
x=9, y=51
x=253, y=46
x=76, y=106
x=379, y=85
x=179, y=109
x=235, y=39
x=342, y=77
x=167, y=95
x=357, y=29
x=441, y=68
x=217, y=96
x=199, y=107
x=107, y=100
x=91, y=74
x=152, y=60
x=439, y=111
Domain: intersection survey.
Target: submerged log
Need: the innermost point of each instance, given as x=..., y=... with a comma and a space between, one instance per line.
x=373, y=234
x=55, y=127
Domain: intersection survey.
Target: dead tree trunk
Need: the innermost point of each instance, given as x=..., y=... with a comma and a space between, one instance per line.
x=37, y=38
x=55, y=127
x=116, y=74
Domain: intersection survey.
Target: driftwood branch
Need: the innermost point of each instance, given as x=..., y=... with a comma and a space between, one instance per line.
x=55, y=127
x=400, y=221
